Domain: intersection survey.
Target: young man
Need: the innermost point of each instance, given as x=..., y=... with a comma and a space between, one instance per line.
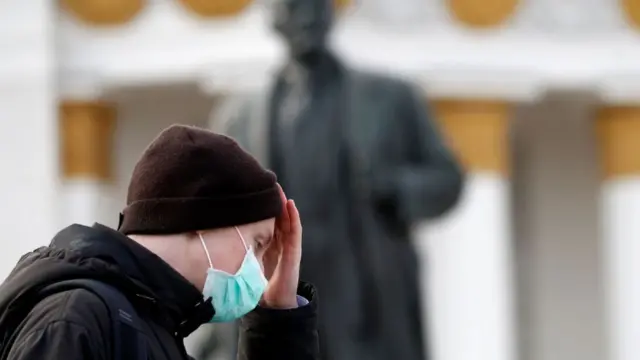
x=204, y=228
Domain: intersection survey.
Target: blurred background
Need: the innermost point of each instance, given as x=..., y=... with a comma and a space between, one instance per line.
x=540, y=99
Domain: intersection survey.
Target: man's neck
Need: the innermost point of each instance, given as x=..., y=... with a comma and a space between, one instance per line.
x=176, y=252
x=309, y=69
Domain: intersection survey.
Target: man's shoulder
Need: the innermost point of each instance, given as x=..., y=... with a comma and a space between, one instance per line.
x=388, y=84
x=79, y=307
x=380, y=78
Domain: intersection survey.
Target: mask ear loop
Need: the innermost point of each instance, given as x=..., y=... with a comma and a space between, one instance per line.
x=206, y=251
x=246, y=248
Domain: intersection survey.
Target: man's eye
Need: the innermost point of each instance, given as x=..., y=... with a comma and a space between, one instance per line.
x=261, y=243
x=265, y=243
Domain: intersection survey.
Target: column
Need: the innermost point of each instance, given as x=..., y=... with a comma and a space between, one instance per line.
x=28, y=139
x=468, y=271
x=86, y=132
x=618, y=130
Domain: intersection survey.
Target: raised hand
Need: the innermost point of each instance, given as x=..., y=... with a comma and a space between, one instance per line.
x=282, y=259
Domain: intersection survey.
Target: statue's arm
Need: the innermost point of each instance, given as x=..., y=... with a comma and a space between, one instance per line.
x=430, y=180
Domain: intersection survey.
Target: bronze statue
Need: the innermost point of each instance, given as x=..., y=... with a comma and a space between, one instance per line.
x=363, y=161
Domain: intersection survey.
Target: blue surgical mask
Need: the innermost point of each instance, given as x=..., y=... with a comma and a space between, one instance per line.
x=235, y=295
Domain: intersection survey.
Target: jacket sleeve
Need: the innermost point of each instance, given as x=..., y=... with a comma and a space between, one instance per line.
x=267, y=334
x=64, y=326
x=430, y=180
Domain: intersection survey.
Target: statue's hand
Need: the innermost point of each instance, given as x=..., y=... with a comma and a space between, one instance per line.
x=385, y=193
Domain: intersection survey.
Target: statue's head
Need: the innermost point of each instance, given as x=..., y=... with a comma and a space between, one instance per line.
x=304, y=24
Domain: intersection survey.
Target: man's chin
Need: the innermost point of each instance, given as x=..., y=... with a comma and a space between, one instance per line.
x=302, y=52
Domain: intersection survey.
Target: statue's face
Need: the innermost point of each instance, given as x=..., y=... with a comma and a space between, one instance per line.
x=304, y=24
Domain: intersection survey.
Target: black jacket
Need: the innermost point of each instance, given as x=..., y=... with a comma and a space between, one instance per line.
x=75, y=324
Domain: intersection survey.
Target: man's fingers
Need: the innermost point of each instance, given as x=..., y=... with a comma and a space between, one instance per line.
x=283, y=219
x=294, y=220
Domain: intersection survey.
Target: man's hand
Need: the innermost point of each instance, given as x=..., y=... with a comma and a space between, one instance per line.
x=282, y=259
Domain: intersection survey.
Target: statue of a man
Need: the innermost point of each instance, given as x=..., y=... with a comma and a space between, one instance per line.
x=363, y=161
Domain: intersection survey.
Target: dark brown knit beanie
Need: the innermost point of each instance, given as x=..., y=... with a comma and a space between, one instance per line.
x=191, y=179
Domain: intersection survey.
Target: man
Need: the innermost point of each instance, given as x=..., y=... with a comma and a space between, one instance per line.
x=364, y=162
x=203, y=220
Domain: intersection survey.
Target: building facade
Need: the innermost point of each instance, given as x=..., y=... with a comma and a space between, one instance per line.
x=539, y=98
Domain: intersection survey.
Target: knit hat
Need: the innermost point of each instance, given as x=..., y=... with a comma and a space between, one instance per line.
x=191, y=179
